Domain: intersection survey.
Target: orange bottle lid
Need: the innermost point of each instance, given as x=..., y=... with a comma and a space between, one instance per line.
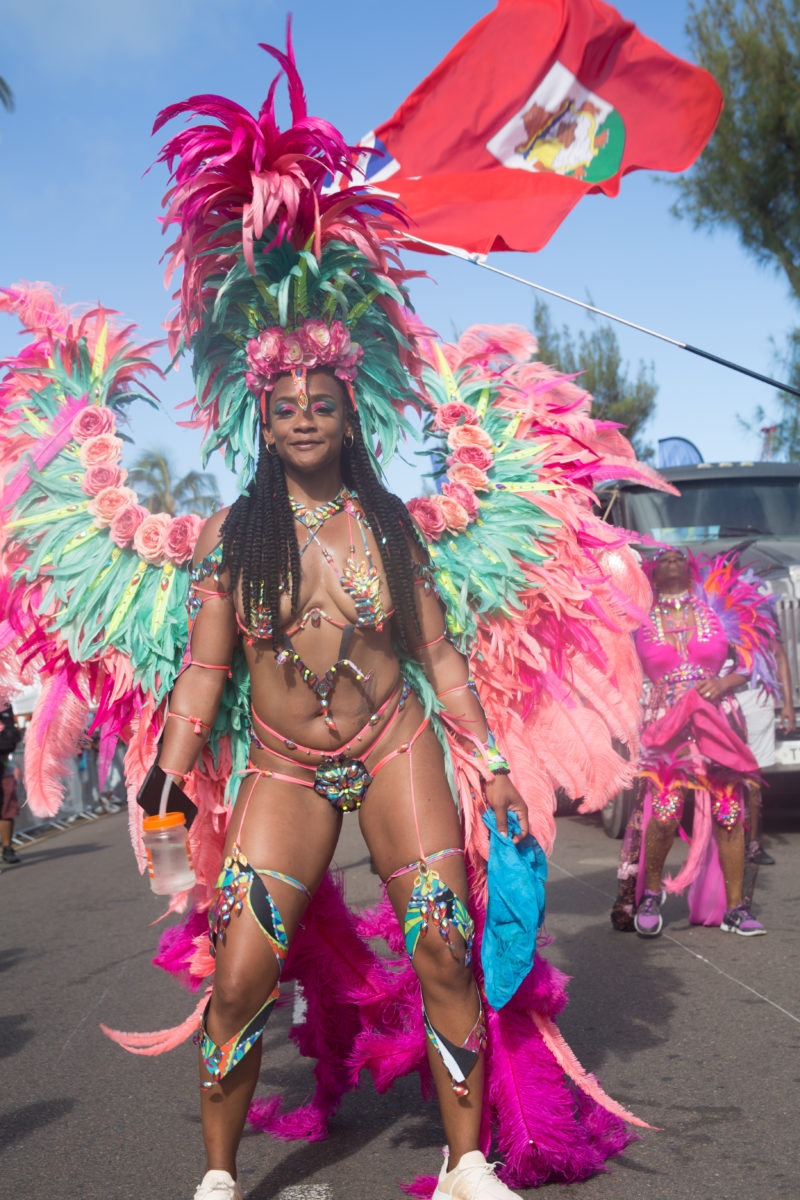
x=170, y=820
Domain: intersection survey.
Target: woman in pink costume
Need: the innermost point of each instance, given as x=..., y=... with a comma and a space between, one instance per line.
x=692, y=743
x=327, y=736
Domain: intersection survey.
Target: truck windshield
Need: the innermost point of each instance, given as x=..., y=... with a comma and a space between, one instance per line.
x=712, y=508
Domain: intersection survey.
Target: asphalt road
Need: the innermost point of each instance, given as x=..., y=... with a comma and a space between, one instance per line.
x=697, y=1032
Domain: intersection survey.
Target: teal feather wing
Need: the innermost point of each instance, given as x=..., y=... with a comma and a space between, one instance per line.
x=539, y=592
x=94, y=586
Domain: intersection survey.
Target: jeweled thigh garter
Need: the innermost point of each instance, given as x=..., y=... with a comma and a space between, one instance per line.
x=433, y=901
x=240, y=883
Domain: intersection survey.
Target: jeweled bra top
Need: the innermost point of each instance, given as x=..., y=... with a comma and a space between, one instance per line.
x=701, y=649
x=360, y=579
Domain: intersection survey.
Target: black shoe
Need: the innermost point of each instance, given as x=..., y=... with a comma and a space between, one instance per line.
x=10, y=855
x=759, y=856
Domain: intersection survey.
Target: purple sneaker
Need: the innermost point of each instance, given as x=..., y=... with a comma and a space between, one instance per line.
x=648, y=920
x=741, y=920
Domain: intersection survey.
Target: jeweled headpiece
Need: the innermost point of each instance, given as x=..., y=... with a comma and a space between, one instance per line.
x=279, y=272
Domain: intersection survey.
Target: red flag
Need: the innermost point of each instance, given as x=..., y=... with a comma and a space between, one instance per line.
x=539, y=103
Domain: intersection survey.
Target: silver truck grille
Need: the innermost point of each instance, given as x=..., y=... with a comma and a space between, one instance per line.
x=788, y=614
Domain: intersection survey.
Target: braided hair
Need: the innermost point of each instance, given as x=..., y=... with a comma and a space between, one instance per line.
x=259, y=543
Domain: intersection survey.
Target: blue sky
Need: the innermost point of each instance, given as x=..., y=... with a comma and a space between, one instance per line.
x=78, y=209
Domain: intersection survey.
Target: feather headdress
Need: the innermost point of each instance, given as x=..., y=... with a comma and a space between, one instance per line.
x=277, y=271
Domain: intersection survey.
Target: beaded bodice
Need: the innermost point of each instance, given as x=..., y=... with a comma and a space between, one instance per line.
x=360, y=579
x=682, y=642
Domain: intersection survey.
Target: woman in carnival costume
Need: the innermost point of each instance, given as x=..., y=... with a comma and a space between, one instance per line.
x=709, y=632
x=337, y=650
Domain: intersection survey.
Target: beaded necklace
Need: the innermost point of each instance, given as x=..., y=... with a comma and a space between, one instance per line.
x=666, y=617
x=314, y=518
x=678, y=601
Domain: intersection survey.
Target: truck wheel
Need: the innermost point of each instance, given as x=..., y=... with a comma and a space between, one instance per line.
x=617, y=812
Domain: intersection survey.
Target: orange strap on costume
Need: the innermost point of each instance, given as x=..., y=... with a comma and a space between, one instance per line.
x=199, y=725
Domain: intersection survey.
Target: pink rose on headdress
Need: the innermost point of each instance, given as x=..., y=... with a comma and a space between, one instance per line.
x=101, y=476
x=294, y=351
x=455, y=412
x=345, y=354
x=264, y=351
x=318, y=338
x=103, y=449
x=182, y=537
x=465, y=497
x=150, y=538
x=428, y=514
x=264, y=357
x=470, y=476
x=106, y=504
x=125, y=523
x=347, y=364
x=455, y=514
x=473, y=456
x=91, y=421
x=469, y=435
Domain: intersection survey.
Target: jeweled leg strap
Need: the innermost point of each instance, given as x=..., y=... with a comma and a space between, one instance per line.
x=458, y=1060
x=240, y=883
x=432, y=900
x=220, y=1060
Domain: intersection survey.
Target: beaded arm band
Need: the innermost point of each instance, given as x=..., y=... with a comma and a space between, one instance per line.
x=489, y=751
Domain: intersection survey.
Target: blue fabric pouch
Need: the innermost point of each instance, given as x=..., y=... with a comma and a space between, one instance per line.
x=516, y=878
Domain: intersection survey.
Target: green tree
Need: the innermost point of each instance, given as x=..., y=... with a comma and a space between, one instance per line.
x=597, y=356
x=6, y=95
x=152, y=475
x=781, y=438
x=748, y=177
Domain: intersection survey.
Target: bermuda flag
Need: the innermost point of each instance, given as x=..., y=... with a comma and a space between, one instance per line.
x=539, y=103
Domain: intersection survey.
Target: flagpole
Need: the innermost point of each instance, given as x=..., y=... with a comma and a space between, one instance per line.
x=479, y=260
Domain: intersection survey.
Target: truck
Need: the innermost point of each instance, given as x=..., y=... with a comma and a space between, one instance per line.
x=753, y=506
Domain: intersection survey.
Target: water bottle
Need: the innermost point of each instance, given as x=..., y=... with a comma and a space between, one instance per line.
x=169, y=859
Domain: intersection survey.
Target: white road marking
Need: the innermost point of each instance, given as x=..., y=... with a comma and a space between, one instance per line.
x=307, y=1191
x=688, y=949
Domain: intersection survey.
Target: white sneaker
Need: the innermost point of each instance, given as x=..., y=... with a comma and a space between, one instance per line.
x=219, y=1185
x=472, y=1179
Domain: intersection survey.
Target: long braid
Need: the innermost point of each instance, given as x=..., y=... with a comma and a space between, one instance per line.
x=390, y=522
x=259, y=544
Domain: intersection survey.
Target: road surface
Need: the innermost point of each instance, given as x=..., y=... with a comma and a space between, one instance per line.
x=697, y=1032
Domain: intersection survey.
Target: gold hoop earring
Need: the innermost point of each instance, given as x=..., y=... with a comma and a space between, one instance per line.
x=348, y=445
x=271, y=450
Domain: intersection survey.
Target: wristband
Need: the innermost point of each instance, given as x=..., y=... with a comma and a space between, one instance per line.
x=493, y=757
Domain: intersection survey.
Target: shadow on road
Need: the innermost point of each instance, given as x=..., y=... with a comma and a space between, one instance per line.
x=16, y=1125
x=45, y=852
x=363, y=1118
x=14, y=1034
x=13, y=957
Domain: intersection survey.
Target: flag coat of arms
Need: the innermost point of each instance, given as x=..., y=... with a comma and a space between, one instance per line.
x=539, y=103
